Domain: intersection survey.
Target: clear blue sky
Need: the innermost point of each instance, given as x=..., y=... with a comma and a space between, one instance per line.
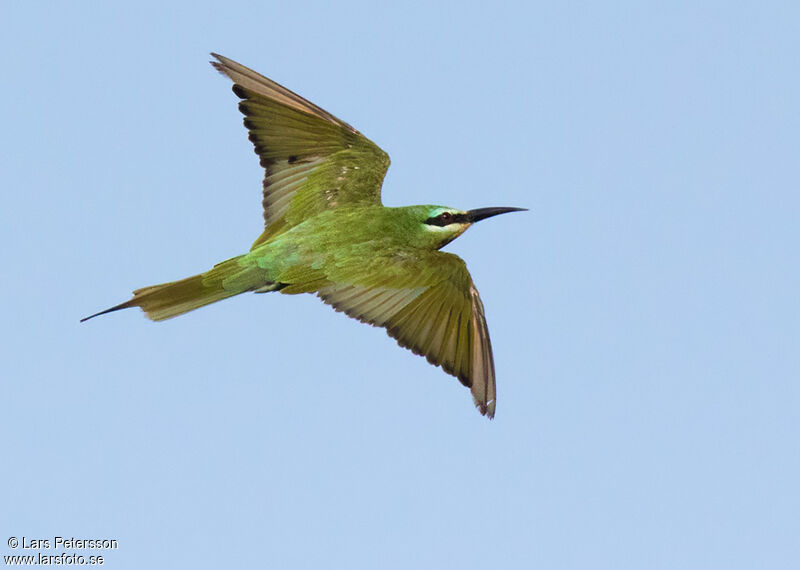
x=644, y=313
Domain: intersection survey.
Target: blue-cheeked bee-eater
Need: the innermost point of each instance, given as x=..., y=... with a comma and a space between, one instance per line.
x=327, y=232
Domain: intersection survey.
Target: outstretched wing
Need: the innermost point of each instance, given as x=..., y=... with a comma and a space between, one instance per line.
x=429, y=304
x=313, y=160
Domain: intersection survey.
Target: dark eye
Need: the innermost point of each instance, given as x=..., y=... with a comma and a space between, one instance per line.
x=444, y=219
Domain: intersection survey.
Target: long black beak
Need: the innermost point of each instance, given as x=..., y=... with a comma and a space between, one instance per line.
x=483, y=213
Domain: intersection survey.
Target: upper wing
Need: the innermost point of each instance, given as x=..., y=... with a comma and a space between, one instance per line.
x=313, y=160
x=429, y=304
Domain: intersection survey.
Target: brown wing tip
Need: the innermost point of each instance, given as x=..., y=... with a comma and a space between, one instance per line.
x=486, y=409
x=221, y=64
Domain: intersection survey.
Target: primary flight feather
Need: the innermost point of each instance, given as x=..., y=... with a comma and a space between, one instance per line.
x=327, y=232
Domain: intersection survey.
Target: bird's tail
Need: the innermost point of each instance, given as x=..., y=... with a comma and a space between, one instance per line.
x=169, y=300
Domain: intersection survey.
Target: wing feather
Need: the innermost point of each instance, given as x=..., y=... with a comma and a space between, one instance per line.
x=313, y=160
x=433, y=309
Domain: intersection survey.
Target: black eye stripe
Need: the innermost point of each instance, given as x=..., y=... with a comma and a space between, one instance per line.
x=447, y=218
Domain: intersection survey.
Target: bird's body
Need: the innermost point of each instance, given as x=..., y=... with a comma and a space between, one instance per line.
x=367, y=239
x=327, y=233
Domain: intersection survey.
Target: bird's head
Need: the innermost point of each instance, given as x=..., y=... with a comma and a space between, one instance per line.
x=440, y=224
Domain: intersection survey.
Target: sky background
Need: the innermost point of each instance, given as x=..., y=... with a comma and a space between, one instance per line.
x=644, y=313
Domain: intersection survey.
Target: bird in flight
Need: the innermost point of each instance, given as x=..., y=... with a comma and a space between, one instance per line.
x=327, y=232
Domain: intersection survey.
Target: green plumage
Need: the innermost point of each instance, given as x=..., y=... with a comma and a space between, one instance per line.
x=326, y=232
